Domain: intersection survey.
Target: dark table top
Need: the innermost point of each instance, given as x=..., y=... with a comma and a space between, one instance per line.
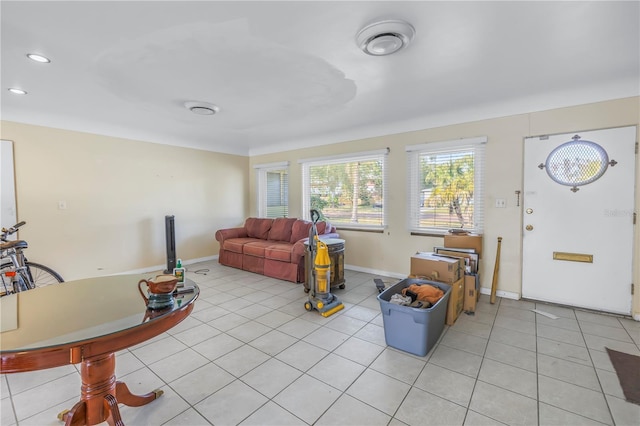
x=77, y=311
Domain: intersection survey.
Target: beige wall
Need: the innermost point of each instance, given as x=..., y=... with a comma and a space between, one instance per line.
x=117, y=193
x=390, y=251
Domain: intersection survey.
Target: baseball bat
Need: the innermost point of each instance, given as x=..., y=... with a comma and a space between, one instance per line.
x=496, y=269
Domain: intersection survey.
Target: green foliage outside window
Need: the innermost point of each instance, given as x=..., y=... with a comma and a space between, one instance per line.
x=447, y=190
x=349, y=192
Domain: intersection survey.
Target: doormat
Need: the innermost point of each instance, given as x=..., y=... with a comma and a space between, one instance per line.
x=627, y=368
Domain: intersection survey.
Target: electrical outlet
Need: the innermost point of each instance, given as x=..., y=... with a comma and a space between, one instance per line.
x=501, y=203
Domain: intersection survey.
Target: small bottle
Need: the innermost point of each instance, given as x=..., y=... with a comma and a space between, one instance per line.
x=178, y=271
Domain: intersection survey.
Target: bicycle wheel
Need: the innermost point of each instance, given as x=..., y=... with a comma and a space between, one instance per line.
x=40, y=275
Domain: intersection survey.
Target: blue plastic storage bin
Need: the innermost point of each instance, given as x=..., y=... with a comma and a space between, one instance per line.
x=413, y=330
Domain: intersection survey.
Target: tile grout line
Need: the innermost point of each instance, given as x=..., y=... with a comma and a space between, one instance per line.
x=606, y=401
x=477, y=378
x=366, y=367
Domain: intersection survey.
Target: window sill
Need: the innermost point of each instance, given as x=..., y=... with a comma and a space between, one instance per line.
x=347, y=228
x=429, y=233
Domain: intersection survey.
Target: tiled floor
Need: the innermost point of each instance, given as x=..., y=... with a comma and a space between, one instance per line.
x=250, y=354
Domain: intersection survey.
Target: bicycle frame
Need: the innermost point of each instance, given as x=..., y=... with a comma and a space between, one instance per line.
x=16, y=272
x=17, y=277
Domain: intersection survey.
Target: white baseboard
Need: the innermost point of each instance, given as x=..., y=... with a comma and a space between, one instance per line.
x=500, y=293
x=155, y=268
x=199, y=259
x=375, y=271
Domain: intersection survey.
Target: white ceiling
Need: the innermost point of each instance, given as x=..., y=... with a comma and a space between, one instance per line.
x=289, y=74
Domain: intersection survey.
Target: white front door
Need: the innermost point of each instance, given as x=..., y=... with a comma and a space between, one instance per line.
x=578, y=212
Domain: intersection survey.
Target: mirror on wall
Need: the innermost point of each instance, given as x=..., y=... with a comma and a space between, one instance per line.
x=8, y=216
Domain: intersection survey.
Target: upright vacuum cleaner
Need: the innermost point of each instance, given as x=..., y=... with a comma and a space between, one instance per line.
x=320, y=297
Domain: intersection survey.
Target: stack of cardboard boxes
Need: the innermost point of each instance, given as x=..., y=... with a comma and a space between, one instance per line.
x=449, y=270
x=455, y=264
x=472, y=242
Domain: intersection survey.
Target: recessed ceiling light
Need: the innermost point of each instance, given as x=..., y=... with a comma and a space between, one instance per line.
x=17, y=91
x=201, y=108
x=38, y=58
x=385, y=37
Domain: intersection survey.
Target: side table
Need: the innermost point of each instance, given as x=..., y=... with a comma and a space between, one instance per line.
x=336, y=255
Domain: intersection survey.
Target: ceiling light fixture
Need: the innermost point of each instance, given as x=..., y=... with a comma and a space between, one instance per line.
x=17, y=91
x=38, y=58
x=385, y=37
x=201, y=108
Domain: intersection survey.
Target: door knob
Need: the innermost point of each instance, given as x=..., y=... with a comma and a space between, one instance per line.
x=529, y=227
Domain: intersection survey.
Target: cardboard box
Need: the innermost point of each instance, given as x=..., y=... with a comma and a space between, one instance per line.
x=471, y=241
x=456, y=301
x=471, y=259
x=434, y=267
x=471, y=292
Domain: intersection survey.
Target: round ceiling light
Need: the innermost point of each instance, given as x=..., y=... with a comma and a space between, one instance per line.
x=201, y=108
x=385, y=37
x=38, y=58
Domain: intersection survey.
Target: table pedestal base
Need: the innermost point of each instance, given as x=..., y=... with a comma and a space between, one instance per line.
x=100, y=395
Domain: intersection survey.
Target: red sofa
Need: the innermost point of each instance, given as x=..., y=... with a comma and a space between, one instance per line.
x=272, y=247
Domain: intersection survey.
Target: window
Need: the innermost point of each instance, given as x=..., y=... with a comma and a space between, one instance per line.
x=273, y=189
x=576, y=163
x=446, y=185
x=347, y=190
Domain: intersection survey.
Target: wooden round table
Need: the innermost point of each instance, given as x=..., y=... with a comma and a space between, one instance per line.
x=85, y=321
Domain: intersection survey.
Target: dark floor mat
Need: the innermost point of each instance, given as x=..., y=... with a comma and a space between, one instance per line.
x=627, y=368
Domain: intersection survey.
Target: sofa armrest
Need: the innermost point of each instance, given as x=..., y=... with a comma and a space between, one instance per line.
x=298, y=250
x=225, y=234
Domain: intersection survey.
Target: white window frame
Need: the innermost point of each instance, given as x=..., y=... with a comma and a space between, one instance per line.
x=477, y=145
x=376, y=155
x=261, y=176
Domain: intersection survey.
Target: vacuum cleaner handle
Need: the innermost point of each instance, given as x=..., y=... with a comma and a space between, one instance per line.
x=315, y=215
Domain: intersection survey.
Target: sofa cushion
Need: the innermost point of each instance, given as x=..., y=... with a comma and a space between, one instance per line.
x=299, y=230
x=281, y=229
x=256, y=248
x=279, y=251
x=321, y=227
x=258, y=227
x=236, y=244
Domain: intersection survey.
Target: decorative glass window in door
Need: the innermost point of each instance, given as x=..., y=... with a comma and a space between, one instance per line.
x=576, y=163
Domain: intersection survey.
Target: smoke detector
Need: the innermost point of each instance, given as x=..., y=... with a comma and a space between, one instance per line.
x=385, y=37
x=201, y=108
